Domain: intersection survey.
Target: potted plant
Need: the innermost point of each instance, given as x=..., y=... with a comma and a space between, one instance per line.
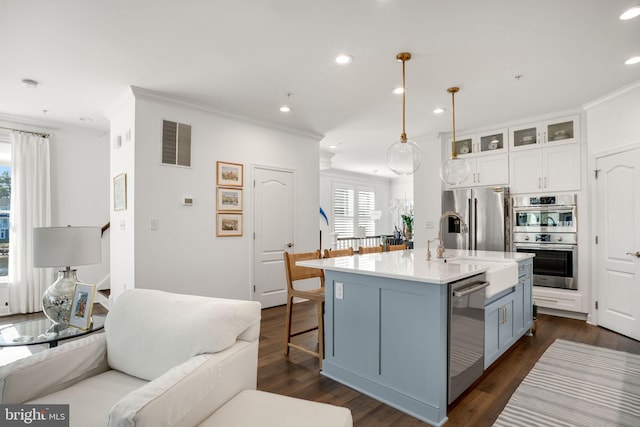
x=407, y=227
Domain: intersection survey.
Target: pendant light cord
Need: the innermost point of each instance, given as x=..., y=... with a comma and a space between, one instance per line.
x=452, y=91
x=405, y=56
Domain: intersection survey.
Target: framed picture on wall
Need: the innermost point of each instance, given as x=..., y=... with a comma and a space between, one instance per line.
x=230, y=174
x=82, y=306
x=229, y=199
x=229, y=224
x=120, y=192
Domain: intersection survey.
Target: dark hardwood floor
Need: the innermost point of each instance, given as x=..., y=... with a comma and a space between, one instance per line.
x=298, y=375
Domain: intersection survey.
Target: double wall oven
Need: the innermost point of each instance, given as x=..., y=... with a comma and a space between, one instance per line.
x=547, y=226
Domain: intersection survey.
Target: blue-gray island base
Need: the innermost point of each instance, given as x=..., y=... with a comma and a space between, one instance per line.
x=386, y=333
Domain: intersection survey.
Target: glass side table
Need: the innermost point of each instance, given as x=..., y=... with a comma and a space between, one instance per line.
x=42, y=331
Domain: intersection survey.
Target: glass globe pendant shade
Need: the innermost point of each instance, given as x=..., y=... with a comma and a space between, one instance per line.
x=455, y=171
x=404, y=157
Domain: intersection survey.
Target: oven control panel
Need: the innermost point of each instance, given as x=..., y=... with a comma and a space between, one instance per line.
x=546, y=238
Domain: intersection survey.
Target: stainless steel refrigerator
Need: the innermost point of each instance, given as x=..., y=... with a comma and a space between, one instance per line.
x=486, y=211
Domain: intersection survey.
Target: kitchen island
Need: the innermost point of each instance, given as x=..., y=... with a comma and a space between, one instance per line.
x=387, y=321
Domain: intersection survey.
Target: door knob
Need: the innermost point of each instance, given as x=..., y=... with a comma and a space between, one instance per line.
x=637, y=254
x=289, y=245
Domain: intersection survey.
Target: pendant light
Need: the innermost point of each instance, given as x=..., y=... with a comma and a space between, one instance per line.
x=454, y=171
x=404, y=156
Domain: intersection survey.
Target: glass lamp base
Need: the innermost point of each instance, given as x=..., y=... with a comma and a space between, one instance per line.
x=57, y=298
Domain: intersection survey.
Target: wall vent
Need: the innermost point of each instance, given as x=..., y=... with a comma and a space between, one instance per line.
x=176, y=143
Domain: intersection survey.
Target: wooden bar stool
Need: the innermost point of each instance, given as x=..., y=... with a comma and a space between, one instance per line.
x=401, y=247
x=295, y=273
x=369, y=249
x=338, y=252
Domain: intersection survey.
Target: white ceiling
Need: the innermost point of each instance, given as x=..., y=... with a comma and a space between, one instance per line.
x=244, y=56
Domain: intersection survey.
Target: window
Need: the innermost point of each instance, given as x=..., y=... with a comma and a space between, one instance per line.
x=353, y=207
x=5, y=205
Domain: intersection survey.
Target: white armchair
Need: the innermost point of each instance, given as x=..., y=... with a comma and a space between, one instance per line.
x=164, y=360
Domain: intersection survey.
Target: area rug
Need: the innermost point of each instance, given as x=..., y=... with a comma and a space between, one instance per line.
x=577, y=385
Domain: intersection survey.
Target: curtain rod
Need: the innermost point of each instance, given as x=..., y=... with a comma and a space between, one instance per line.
x=42, y=134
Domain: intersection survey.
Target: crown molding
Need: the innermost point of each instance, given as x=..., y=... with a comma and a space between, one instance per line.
x=151, y=95
x=612, y=95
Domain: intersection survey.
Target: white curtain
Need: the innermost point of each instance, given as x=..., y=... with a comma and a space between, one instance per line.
x=30, y=207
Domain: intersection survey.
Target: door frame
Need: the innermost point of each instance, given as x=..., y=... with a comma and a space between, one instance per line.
x=593, y=207
x=255, y=166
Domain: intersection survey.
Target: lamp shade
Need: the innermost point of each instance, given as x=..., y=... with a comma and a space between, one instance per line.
x=66, y=246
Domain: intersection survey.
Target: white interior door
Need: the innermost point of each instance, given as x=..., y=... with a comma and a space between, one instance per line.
x=273, y=226
x=618, y=231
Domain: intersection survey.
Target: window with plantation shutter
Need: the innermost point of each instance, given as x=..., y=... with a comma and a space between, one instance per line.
x=367, y=204
x=352, y=208
x=176, y=143
x=343, y=212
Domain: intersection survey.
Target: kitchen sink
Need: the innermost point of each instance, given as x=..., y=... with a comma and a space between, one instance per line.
x=500, y=275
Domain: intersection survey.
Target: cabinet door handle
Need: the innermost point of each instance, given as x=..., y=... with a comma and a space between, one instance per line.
x=539, y=182
x=545, y=182
x=478, y=177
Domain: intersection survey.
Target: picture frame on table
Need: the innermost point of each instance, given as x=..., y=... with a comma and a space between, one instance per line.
x=228, y=224
x=82, y=306
x=230, y=174
x=120, y=192
x=229, y=199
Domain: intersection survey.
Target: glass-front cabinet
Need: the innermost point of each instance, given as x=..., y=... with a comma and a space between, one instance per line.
x=489, y=142
x=563, y=130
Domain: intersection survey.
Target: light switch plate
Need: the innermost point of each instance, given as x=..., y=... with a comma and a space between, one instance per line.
x=339, y=290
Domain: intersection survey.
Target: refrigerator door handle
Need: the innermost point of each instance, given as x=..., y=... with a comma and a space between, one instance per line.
x=470, y=216
x=475, y=224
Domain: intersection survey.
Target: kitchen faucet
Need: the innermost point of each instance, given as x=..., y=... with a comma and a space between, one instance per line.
x=440, y=250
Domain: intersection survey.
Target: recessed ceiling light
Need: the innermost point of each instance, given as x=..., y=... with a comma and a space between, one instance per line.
x=438, y=110
x=29, y=83
x=630, y=13
x=285, y=109
x=86, y=119
x=397, y=91
x=333, y=147
x=633, y=60
x=344, y=59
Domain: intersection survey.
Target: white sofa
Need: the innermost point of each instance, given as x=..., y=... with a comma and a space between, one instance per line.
x=164, y=360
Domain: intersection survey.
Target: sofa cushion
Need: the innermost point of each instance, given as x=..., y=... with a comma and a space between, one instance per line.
x=151, y=331
x=90, y=400
x=252, y=408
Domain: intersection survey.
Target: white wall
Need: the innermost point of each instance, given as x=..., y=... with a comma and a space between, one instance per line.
x=613, y=121
x=184, y=255
x=427, y=192
x=122, y=232
x=612, y=125
x=80, y=190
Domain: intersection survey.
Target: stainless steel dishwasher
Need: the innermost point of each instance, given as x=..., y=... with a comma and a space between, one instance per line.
x=466, y=333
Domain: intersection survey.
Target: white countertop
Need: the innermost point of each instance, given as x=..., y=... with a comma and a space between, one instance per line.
x=413, y=265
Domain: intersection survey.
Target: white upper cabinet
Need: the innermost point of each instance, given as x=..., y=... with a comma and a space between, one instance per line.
x=487, y=154
x=539, y=157
x=553, y=168
x=486, y=170
x=551, y=132
x=482, y=143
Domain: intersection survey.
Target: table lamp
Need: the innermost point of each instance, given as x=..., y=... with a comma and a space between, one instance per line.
x=64, y=247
